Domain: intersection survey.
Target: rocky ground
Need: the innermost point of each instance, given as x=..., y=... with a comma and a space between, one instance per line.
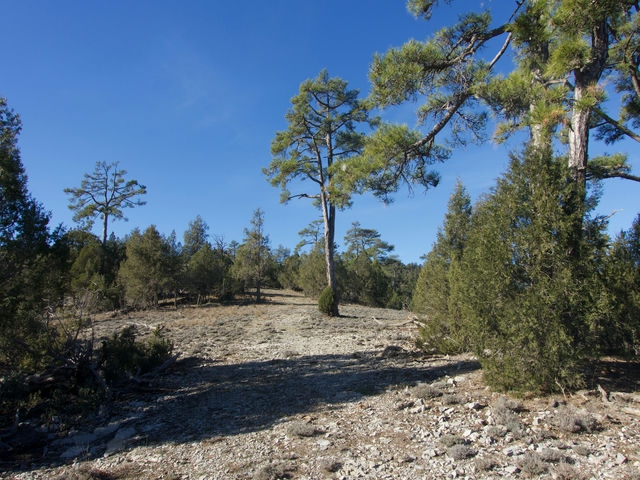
x=277, y=391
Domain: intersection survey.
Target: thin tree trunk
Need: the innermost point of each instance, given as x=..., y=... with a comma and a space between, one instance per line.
x=329, y=217
x=328, y=214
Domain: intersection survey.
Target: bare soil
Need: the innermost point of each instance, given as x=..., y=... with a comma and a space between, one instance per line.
x=276, y=390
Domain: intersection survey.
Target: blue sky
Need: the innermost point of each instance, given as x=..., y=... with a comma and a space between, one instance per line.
x=187, y=97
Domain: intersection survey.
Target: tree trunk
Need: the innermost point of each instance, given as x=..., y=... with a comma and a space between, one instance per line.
x=329, y=217
x=586, y=79
x=104, y=229
x=328, y=214
x=579, y=137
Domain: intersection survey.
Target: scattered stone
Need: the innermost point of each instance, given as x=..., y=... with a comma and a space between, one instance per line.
x=475, y=406
x=278, y=391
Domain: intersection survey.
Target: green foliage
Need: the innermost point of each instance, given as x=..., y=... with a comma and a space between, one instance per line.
x=123, y=355
x=525, y=284
x=205, y=271
x=195, y=237
x=402, y=281
x=104, y=193
x=326, y=302
x=392, y=155
x=619, y=332
x=150, y=269
x=30, y=269
x=365, y=242
x=438, y=283
x=254, y=261
x=288, y=272
x=366, y=282
x=312, y=276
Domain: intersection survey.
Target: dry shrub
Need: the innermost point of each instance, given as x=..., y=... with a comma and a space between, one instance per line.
x=330, y=465
x=496, y=431
x=574, y=422
x=461, y=452
x=564, y=471
x=505, y=413
x=451, y=399
x=583, y=450
x=551, y=455
x=484, y=464
x=451, y=440
x=532, y=465
x=507, y=403
x=426, y=391
x=272, y=471
x=302, y=429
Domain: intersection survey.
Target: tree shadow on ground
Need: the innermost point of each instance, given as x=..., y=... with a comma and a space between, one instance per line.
x=201, y=399
x=228, y=399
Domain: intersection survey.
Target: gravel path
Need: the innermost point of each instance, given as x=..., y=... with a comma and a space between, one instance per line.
x=277, y=391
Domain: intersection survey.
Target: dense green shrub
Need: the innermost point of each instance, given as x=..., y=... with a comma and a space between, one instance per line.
x=527, y=282
x=619, y=331
x=435, y=293
x=123, y=355
x=326, y=301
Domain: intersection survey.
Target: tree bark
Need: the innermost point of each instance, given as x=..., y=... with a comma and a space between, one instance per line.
x=586, y=78
x=329, y=217
x=104, y=230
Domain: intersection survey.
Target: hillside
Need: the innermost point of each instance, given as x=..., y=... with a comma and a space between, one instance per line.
x=277, y=391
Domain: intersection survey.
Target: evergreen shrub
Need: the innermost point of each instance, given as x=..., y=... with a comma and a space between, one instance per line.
x=124, y=355
x=326, y=301
x=527, y=279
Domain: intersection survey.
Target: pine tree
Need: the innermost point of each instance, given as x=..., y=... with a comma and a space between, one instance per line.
x=104, y=194
x=149, y=269
x=441, y=330
x=254, y=261
x=321, y=140
x=28, y=272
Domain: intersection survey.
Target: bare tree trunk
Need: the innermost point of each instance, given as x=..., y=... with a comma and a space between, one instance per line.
x=579, y=138
x=329, y=218
x=586, y=79
x=104, y=229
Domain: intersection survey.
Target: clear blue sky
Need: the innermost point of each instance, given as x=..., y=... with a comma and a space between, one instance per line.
x=187, y=96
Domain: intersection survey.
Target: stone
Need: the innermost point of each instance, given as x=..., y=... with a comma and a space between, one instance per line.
x=225, y=408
